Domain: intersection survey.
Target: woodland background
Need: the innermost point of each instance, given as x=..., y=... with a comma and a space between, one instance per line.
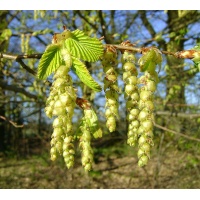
x=25, y=131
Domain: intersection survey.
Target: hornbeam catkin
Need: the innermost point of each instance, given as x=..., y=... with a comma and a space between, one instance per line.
x=131, y=95
x=61, y=103
x=111, y=88
x=148, y=86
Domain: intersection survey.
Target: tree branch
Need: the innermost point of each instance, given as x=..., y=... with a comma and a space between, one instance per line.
x=86, y=20
x=26, y=67
x=147, y=23
x=185, y=54
x=11, y=122
x=183, y=115
x=16, y=89
x=177, y=133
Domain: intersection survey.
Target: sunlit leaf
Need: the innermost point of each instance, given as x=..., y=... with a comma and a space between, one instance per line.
x=84, y=47
x=50, y=61
x=84, y=75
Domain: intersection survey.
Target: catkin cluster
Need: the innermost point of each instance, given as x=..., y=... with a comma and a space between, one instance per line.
x=139, y=94
x=131, y=95
x=61, y=103
x=111, y=89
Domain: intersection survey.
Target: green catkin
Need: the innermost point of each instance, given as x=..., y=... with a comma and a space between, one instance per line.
x=148, y=86
x=22, y=42
x=131, y=95
x=111, y=89
x=26, y=45
x=85, y=146
x=61, y=103
x=89, y=127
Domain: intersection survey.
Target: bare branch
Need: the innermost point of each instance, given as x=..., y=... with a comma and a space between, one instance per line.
x=177, y=133
x=23, y=56
x=26, y=67
x=13, y=123
x=183, y=115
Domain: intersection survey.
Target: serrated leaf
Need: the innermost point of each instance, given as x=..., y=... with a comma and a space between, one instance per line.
x=50, y=61
x=80, y=69
x=84, y=47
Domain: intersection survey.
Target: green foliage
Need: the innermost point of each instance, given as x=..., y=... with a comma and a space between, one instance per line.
x=50, y=61
x=84, y=47
x=77, y=45
x=80, y=69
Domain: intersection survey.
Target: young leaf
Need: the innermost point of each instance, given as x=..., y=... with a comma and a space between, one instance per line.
x=50, y=61
x=84, y=47
x=80, y=69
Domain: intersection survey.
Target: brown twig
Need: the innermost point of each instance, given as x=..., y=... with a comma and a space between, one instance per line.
x=13, y=123
x=177, y=133
x=185, y=54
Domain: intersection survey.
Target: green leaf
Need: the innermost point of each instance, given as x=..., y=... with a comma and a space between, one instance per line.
x=84, y=47
x=50, y=61
x=80, y=69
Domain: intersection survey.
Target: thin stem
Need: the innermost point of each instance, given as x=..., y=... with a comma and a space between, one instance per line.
x=177, y=133
x=11, y=122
